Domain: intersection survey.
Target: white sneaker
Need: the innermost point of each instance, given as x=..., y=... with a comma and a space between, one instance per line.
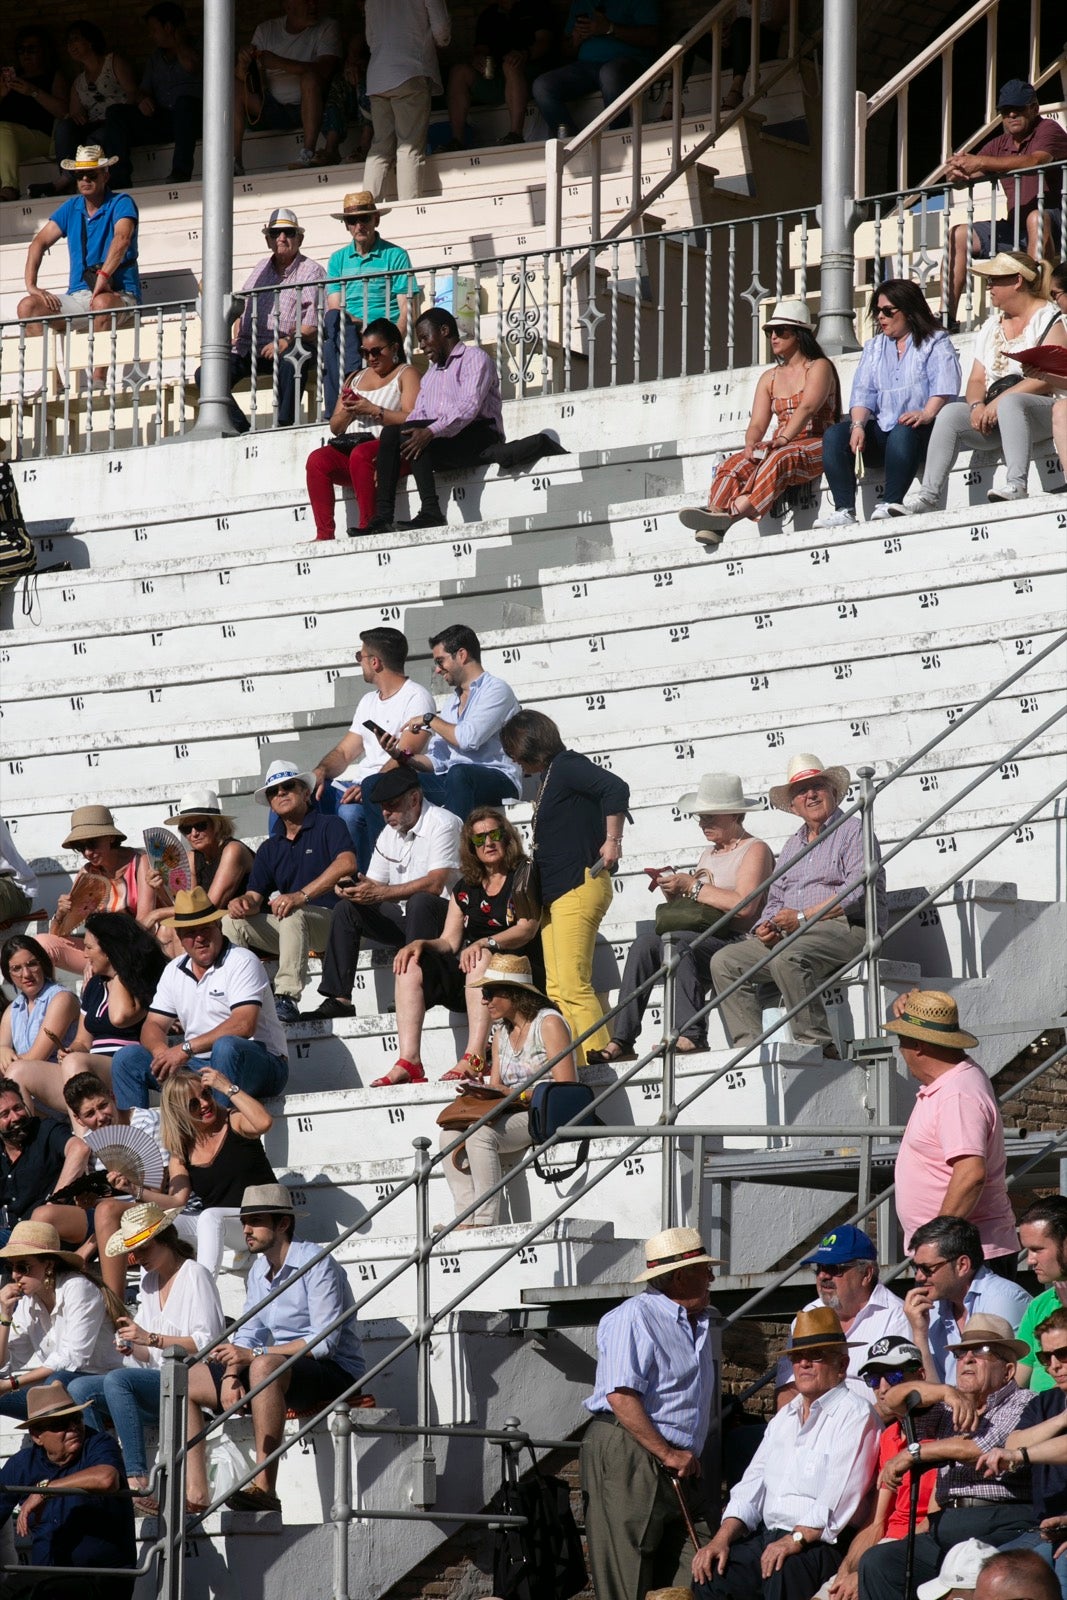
x=1010, y=491
x=835, y=519
x=919, y=503
x=881, y=513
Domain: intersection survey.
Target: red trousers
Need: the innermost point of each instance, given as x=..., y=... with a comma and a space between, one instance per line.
x=327, y=466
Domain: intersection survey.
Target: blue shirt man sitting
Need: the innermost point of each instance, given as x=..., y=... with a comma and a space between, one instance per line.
x=101, y=234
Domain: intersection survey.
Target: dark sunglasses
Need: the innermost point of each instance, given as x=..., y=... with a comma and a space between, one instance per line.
x=837, y=1270
x=494, y=836
x=85, y=845
x=280, y=788
x=928, y=1269
x=187, y=828
x=283, y=233
x=1047, y=1357
x=892, y=1376
x=206, y=1098
x=886, y=311
x=372, y=351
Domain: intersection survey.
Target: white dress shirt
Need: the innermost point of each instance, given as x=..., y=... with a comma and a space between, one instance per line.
x=431, y=843
x=193, y=1311
x=75, y=1337
x=812, y=1474
x=881, y=1318
x=401, y=35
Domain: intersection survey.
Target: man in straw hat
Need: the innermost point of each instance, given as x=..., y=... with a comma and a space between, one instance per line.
x=813, y=793
x=657, y=1370
x=294, y=874
x=280, y=317
x=260, y=1345
x=367, y=278
x=101, y=233
x=971, y=1505
x=217, y=996
x=952, y=1161
x=780, y=1532
x=91, y=1529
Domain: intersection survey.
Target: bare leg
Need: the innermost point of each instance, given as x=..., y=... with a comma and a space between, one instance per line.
x=268, y=1414
x=201, y=1394
x=310, y=107
x=107, y=1221
x=459, y=98
x=40, y=1080
x=244, y=105
x=516, y=96
x=742, y=507
x=477, y=1012
x=76, y=1061
x=70, y=1222
x=957, y=258
x=1059, y=431
x=410, y=1013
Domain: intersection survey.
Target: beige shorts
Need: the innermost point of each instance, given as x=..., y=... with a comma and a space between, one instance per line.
x=79, y=304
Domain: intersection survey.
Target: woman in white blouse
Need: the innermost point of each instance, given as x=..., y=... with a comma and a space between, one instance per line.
x=56, y=1321
x=179, y=1305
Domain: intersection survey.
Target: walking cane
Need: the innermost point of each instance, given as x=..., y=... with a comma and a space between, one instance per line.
x=911, y=1402
x=686, y=1518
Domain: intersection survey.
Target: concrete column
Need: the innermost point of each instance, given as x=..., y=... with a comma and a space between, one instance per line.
x=217, y=224
x=838, y=210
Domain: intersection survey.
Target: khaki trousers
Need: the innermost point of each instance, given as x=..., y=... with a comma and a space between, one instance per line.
x=289, y=938
x=401, y=120
x=822, y=948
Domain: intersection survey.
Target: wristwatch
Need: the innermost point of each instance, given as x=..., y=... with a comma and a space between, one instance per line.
x=915, y=1450
x=492, y=946
x=801, y=919
x=230, y=1089
x=427, y=718
x=259, y=1349
x=798, y=1538
x=187, y=1047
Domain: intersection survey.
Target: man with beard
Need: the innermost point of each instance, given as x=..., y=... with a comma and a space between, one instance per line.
x=37, y=1155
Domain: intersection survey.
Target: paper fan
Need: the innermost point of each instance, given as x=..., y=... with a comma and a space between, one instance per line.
x=88, y=894
x=130, y=1151
x=169, y=858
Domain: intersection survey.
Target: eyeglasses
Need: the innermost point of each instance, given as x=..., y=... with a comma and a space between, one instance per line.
x=282, y=233
x=1047, y=1357
x=994, y=1350
x=280, y=788
x=372, y=351
x=204, y=1099
x=927, y=1269
x=186, y=828
x=809, y=1356
x=362, y=222
x=886, y=311
x=892, y=1376
x=85, y=845
x=832, y=1270
x=493, y=836
x=71, y=1425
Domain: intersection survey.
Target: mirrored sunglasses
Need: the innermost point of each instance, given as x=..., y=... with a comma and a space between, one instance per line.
x=491, y=836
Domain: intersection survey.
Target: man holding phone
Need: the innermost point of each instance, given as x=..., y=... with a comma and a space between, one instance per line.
x=391, y=702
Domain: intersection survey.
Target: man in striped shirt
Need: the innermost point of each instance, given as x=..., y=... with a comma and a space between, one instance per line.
x=813, y=793
x=651, y=1407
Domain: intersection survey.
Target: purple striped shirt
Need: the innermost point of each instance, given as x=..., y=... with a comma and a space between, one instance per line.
x=825, y=870
x=465, y=390
x=277, y=313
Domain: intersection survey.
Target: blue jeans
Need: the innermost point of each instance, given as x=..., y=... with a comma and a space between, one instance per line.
x=130, y=1397
x=462, y=787
x=553, y=89
x=364, y=822
x=245, y=1062
x=1044, y=1548
x=334, y=363
x=901, y=451
x=14, y=1405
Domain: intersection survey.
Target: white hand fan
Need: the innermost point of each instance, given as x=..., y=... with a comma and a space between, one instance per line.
x=131, y=1151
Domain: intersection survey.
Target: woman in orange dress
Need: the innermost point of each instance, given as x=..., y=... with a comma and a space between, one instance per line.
x=801, y=395
x=124, y=875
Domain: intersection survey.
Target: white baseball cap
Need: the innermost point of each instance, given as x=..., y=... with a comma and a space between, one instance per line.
x=959, y=1570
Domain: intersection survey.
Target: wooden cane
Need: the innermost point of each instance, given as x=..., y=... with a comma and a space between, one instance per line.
x=687, y=1519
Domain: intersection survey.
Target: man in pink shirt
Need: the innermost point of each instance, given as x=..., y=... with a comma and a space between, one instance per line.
x=951, y=1160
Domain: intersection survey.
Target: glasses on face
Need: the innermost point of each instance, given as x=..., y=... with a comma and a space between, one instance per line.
x=280, y=788
x=492, y=836
x=885, y=311
x=91, y=177
x=362, y=222
x=69, y=1425
x=1057, y=1356
x=22, y=1269
x=205, y=1098
x=892, y=1376
x=993, y=1351
x=281, y=233
x=85, y=845
x=814, y=787
x=832, y=1270
x=371, y=352
x=186, y=828
x=811, y=1360
x=31, y=964
x=927, y=1269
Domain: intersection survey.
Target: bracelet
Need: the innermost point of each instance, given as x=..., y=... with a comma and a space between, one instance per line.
x=614, y=838
x=1024, y=1455
x=856, y=424
x=975, y=404
x=5, y=1322
x=14, y=1381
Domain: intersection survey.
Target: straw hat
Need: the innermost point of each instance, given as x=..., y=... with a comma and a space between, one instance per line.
x=959, y=1570
x=47, y=1400
x=803, y=766
x=359, y=203
x=192, y=908
x=983, y=1328
x=260, y=1198
x=718, y=792
x=673, y=1248
x=283, y=772
x=283, y=217
x=39, y=1239
x=88, y=158
x=789, y=314
x=933, y=1017
x=197, y=803
x=1003, y=265
x=514, y=971
x=92, y=822
x=818, y=1329
x=139, y=1224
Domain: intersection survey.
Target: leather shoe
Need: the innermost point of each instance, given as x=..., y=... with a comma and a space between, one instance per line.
x=375, y=525
x=254, y=1499
x=425, y=519
x=331, y=1008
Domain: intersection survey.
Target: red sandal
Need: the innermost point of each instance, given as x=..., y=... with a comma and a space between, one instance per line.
x=412, y=1071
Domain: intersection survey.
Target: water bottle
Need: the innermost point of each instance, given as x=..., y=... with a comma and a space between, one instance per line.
x=489, y=69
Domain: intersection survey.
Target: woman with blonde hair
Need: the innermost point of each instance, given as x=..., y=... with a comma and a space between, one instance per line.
x=1002, y=409
x=220, y=862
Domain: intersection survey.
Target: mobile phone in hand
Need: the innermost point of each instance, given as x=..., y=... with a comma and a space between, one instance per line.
x=349, y=882
x=375, y=728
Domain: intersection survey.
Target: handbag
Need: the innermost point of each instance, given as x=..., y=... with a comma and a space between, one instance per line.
x=552, y=1105
x=685, y=916
x=18, y=557
x=345, y=443
x=1001, y=386
x=462, y=1113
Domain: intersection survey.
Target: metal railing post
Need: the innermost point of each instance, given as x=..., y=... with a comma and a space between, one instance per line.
x=553, y=191
x=870, y=902
x=174, y=1388
x=669, y=1160
x=213, y=418
x=424, y=1488
x=341, y=1510
x=838, y=197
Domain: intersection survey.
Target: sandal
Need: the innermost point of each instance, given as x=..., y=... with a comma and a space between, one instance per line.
x=688, y=1047
x=732, y=99
x=611, y=1052
x=411, y=1072
x=475, y=1063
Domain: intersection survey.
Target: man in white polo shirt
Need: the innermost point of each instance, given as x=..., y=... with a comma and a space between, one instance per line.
x=846, y=1280
x=404, y=895
x=219, y=996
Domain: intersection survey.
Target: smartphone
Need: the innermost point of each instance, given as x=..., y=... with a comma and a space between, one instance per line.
x=349, y=882
x=599, y=866
x=378, y=732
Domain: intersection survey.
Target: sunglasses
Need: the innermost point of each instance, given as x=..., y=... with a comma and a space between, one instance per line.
x=282, y=233
x=836, y=1270
x=493, y=836
x=186, y=828
x=928, y=1270
x=372, y=351
x=885, y=311
x=204, y=1099
x=85, y=845
x=892, y=1376
x=1047, y=1357
x=280, y=788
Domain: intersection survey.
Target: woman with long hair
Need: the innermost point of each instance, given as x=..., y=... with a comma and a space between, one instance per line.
x=43, y=1017
x=125, y=885
x=220, y=862
x=800, y=396
x=179, y=1305
x=526, y=1033
x=481, y=920
x=214, y=1153
x=57, y=1320
x=1002, y=407
x=578, y=820
x=907, y=373
x=106, y=79
x=381, y=392
x=125, y=964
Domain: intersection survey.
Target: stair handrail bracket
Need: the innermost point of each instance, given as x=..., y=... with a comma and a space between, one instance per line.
x=561, y=154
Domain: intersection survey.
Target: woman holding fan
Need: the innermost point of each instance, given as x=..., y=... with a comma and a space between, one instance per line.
x=219, y=863
x=114, y=878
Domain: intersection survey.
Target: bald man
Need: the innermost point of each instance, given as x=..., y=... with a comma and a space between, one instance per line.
x=1016, y=1575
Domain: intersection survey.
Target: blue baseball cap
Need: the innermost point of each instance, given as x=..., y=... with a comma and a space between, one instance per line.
x=844, y=1244
x=1016, y=95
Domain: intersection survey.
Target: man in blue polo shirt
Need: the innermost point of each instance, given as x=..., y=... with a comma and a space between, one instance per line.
x=952, y=1284
x=359, y=290
x=101, y=233
x=294, y=872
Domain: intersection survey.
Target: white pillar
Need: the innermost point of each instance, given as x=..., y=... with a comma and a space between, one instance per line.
x=838, y=210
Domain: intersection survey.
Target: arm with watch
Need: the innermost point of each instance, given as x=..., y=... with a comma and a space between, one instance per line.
x=169, y=1057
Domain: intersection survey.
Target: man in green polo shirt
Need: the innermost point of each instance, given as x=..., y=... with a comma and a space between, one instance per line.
x=367, y=278
x=1043, y=1235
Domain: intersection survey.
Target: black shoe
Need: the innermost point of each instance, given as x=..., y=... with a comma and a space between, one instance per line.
x=426, y=519
x=376, y=525
x=330, y=1008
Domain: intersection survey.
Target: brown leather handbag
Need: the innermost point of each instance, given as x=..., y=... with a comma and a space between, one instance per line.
x=462, y=1113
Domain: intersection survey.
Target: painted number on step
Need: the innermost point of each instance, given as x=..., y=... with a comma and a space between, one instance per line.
x=303, y=1049
x=511, y=655
x=1022, y=585
x=758, y=682
x=1028, y=703
x=384, y=558
x=860, y=730
x=671, y=692
x=579, y=591
x=649, y=1091
x=602, y=761
x=662, y=580
x=389, y=613
x=396, y=1114
x=303, y=1124
x=633, y=1166
x=114, y=466
x=979, y=534
x=368, y=1272
x=383, y=1190
x=303, y=569
x=449, y=1265
x=845, y=613
x=683, y=752
x=298, y=1197
x=140, y=535
x=540, y=484
x=842, y=670
x=929, y=782
x=734, y=1080
x=946, y=844
x=679, y=634
x=735, y=569
x=596, y=644
x=954, y=713
x=972, y=476
x=390, y=1043
x=891, y=547
x=930, y=662
x=1023, y=647
x=763, y=620
x=929, y=917
x=527, y=1256
x=1009, y=770
x=1023, y=835
x=818, y=558
x=929, y=601
x=776, y=738
x=595, y=702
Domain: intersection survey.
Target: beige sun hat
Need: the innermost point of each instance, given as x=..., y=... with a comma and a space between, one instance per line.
x=192, y=908
x=718, y=792
x=817, y=1329
x=87, y=158
x=984, y=1328
x=514, y=971
x=806, y=765
x=198, y=803
x=39, y=1239
x=789, y=314
x=261, y=1198
x=47, y=1400
x=673, y=1248
x=92, y=822
x=359, y=203
x=933, y=1017
x=139, y=1224
x=1003, y=265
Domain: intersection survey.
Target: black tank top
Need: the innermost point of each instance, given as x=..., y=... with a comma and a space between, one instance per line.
x=239, y=1163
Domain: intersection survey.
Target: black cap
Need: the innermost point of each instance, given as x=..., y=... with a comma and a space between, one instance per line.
x=391, y=785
